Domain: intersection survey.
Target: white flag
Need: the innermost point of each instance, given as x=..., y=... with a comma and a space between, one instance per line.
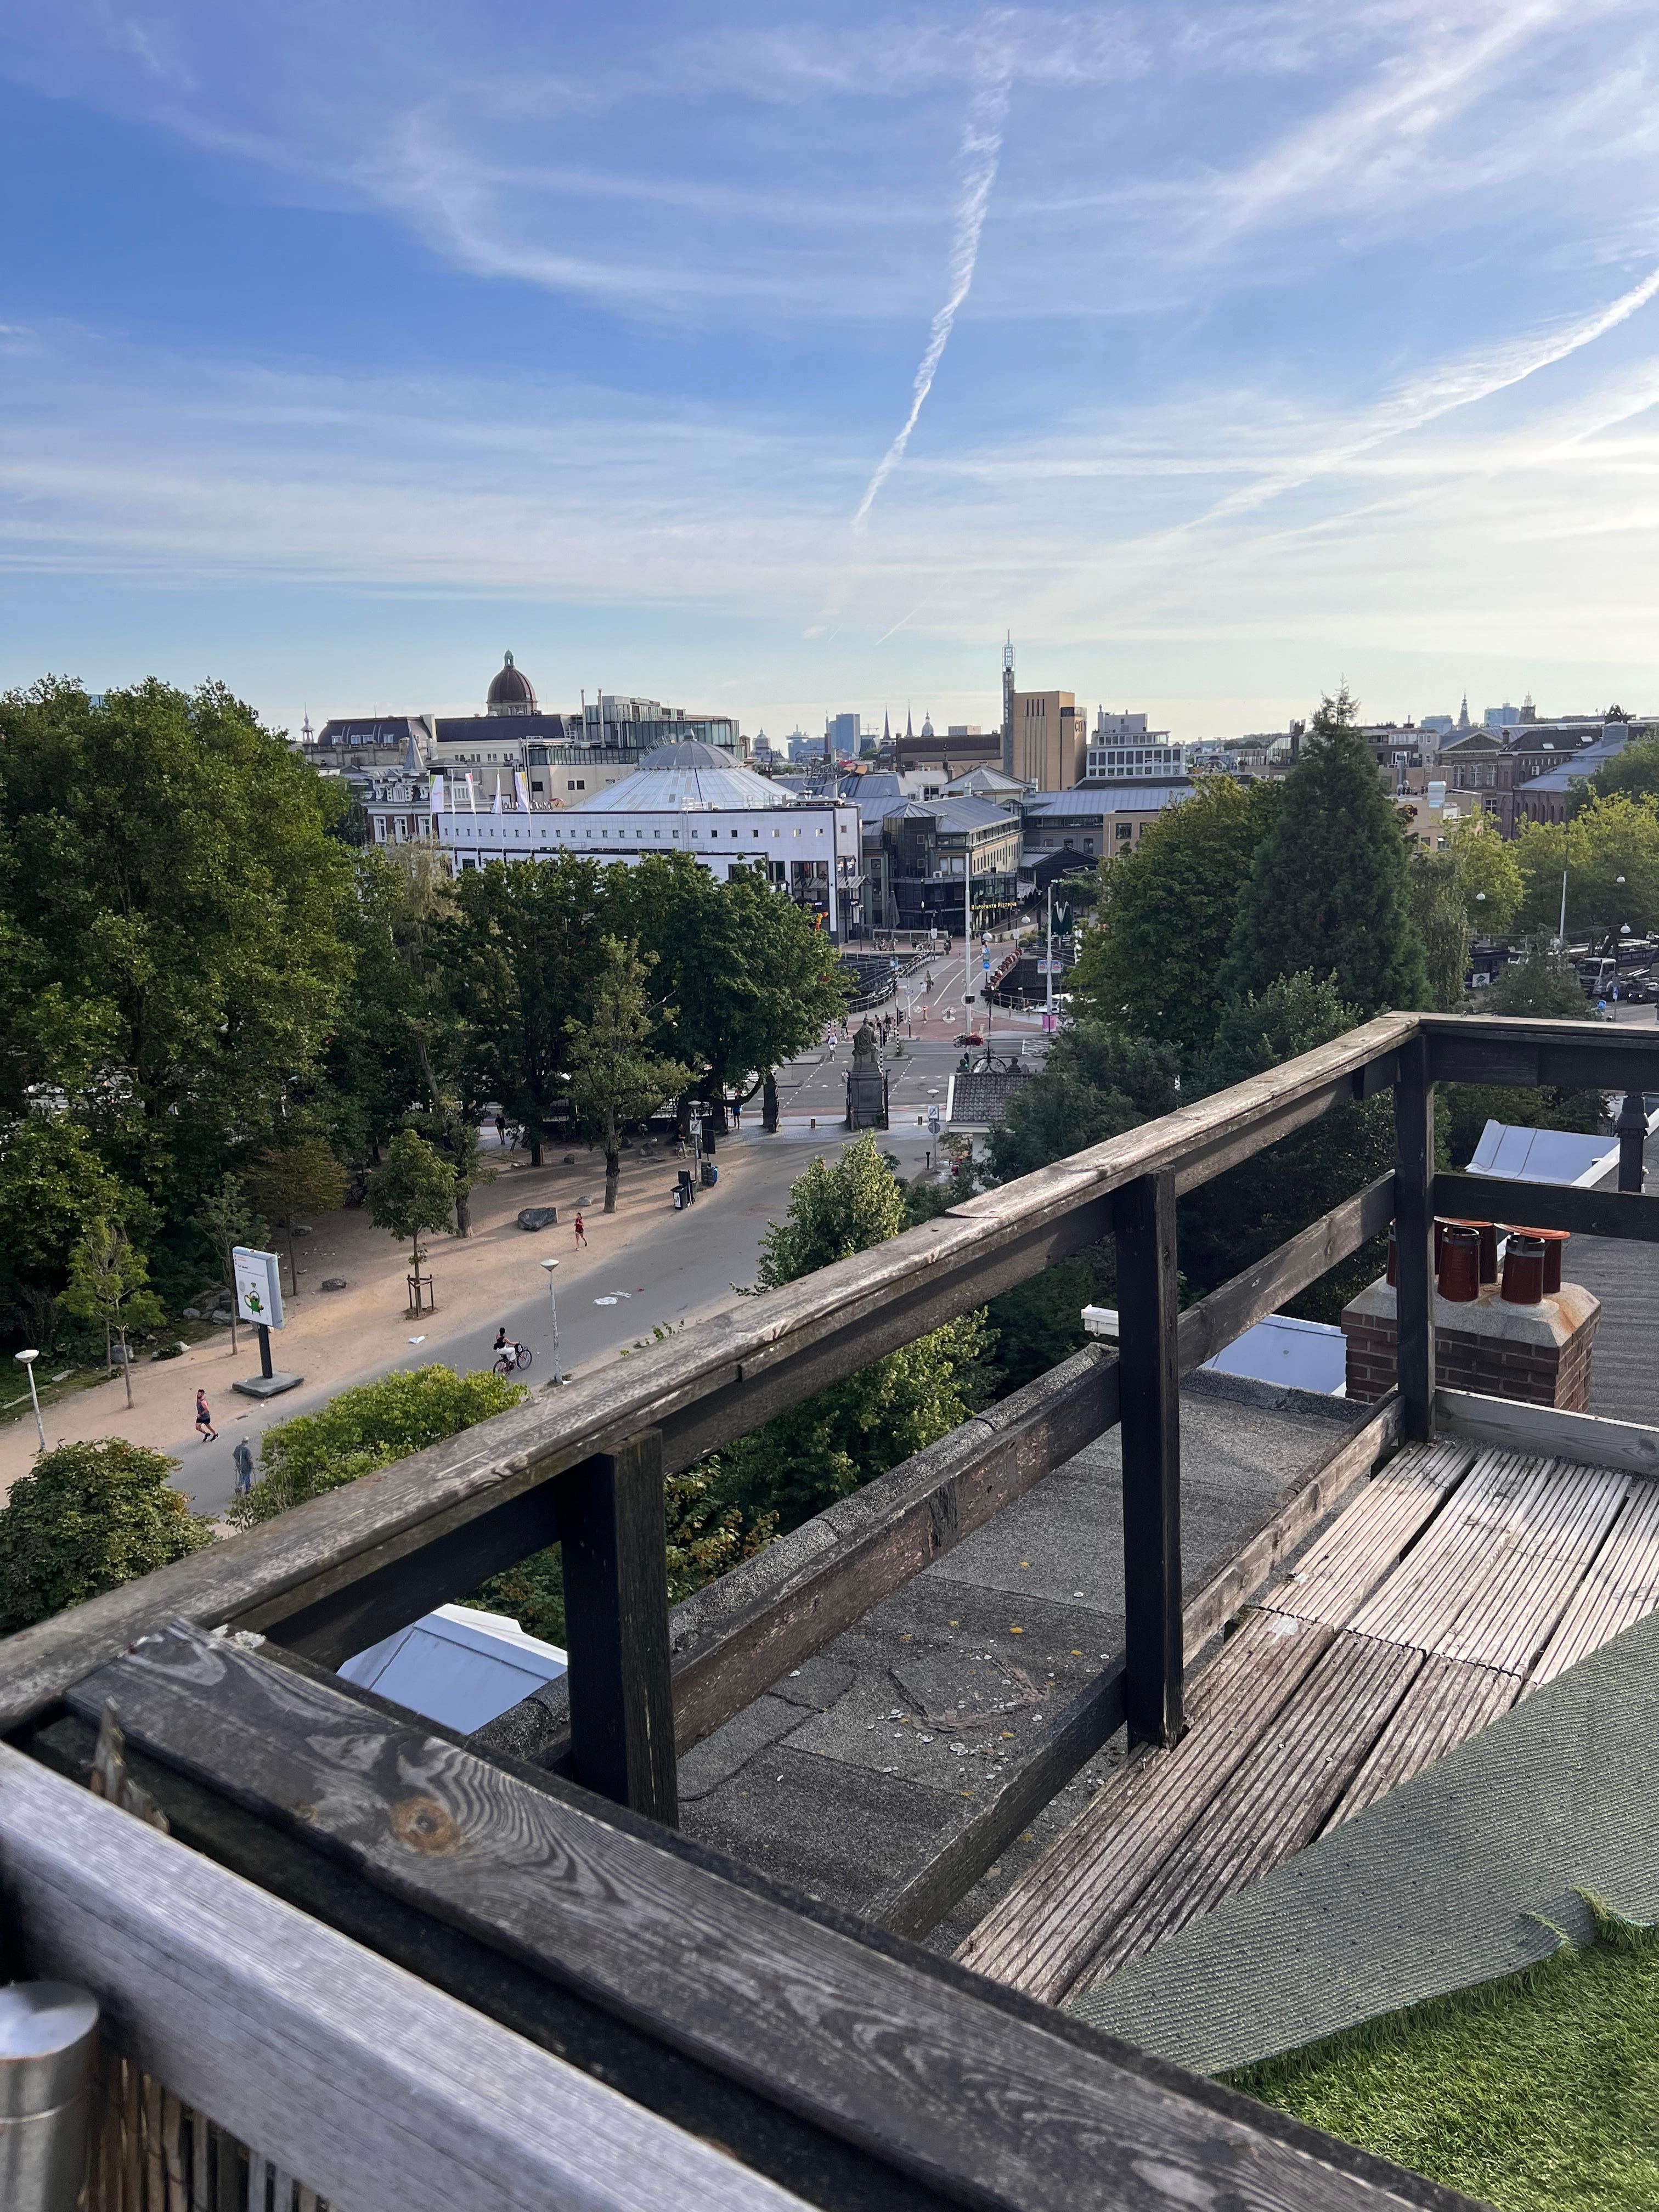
x=437, y=794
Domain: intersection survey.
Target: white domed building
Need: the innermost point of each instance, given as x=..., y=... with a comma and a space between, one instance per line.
x=689, y=797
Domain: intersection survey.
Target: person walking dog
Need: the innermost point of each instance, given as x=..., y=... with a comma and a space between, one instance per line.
x=205, y=1431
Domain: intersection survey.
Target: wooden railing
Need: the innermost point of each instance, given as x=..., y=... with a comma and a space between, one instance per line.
x=327, y=1847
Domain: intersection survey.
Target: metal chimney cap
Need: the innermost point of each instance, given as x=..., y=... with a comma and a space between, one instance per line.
x=47, y=2030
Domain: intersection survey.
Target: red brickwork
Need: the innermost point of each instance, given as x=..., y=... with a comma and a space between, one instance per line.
x=1537, y=1373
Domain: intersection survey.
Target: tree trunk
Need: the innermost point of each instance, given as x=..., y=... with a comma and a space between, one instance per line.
x=770, y=1105
x=293, y=1270
x=463, y=1214
x=612, y=1175
x=126, y=1368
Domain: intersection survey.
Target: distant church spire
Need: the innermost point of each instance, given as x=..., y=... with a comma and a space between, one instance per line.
x=909, y=732
x=1463, y=713
x=886, y=728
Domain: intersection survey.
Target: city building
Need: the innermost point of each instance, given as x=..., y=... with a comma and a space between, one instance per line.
x=1051, y=740
x=929, y=863
x=349, y=743
x=961, y=747
x=1123, y=749
x=686, y=798
x=842, y=733
x=1546, y=797
x=1095, y=821
x=1500, y=762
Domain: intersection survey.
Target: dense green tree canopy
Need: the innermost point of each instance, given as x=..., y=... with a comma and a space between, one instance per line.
x=751, y=981
x=1539, y=984
x=1634, y=771
x=806, y=1459
x=86, y=1518
x=1608, y=839
x=617, y=1077
x=1098, y=1083
x=1154, y=964
x=1328, y=888
x=174, y=904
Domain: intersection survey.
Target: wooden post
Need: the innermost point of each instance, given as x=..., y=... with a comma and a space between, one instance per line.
x=1144, y=1218
x=615, y=1602
x=1413, y=1205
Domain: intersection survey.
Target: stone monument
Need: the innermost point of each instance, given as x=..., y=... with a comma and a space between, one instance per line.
x=866, y=1086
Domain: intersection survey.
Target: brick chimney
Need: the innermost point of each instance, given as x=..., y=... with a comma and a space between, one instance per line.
x=1540, y=1354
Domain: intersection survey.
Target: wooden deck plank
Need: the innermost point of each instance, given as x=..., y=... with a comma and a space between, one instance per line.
x=1037, y=1937
x=1448, y=1702
x=1512, y=1614
x=1621, y=1585
x=1421, y=1600
x=1301, y=1765
x=1337, y=1573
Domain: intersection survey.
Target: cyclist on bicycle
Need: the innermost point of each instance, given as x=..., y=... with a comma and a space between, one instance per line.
x=503, y=1342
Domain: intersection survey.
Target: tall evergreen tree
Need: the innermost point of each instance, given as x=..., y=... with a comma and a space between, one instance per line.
x=1330, y=888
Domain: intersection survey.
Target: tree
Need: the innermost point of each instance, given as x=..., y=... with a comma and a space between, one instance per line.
x=412, y=1190
x=174, y=892
x=227, y=1220
x=1488, y=875
x=615, y=1078
x=399, y=1042
x=1153, y=962
x=516, y=952
x=87, y=1517
x=364, y=1428
x=108, y=1283
x=1610, y=851
x=1633, y=774
x=302, y=1177
x=1328, y=891
x=1441, y=913
x=750, y=980
x=1229, y=1222
x=1098, y=1082
x=804, y=1460
x=1539, y=984
x=52, y=1181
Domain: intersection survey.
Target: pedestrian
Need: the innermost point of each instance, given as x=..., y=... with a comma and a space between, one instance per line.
x=582, y=1234
x=242, y=1459
x=737, y=1114
x=500, y=1131
x=205, y=1431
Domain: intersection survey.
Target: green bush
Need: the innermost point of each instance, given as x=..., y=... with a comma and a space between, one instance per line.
x=88, y=1517
x=366, y=1428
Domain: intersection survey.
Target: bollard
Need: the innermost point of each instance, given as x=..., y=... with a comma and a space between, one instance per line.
x=48, y=2036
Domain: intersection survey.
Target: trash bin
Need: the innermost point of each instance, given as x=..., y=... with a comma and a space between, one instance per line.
x=48, y=2035
x=687, y=1190
x=711, y=1174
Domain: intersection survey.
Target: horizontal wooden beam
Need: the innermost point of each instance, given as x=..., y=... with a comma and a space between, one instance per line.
x=708, y=1385
x=1052, y=1755
x=1218, y=1320
x=829, y=2172
x=1548, y=1205
x=375, y=2090
x=733, y=1638
x=980, y=2101
x=1588, y=1439
x=1585, y=1055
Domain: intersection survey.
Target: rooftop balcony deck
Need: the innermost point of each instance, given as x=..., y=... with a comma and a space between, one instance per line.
x=405, y=1970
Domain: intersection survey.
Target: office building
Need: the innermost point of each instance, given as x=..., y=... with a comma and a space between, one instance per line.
x=1051, y=740
x=1124, y=751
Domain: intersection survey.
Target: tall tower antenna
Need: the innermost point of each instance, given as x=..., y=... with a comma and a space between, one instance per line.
x=1008, y=705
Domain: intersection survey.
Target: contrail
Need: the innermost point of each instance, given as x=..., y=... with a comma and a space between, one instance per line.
x=982, y=148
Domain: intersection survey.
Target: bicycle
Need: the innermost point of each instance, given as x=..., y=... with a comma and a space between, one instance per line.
x=507, y=1360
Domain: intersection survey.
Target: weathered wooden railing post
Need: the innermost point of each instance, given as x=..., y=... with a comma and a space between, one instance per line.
x=1413, y=1214
x=616, y=1602
x=1144, y=1219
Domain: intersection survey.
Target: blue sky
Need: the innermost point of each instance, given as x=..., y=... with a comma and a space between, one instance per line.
x=778, y=361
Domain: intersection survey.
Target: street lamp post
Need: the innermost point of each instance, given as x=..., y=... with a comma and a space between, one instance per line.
x=553, y=1315
x=26, y=1360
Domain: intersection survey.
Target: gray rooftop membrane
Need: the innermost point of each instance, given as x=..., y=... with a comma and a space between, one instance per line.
x=834, y=1780
x=1462, y=1874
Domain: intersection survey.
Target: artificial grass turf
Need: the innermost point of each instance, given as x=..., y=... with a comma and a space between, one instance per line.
x=1537, y=2093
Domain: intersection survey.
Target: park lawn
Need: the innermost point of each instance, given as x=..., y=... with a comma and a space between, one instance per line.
x=1537, y=2093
